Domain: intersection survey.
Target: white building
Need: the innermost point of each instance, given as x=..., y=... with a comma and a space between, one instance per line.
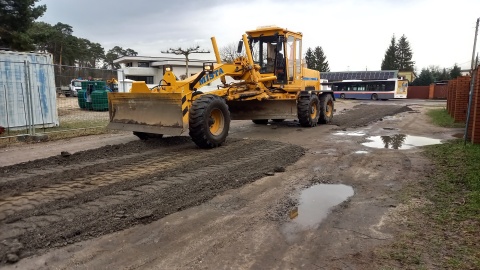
x=151, y=69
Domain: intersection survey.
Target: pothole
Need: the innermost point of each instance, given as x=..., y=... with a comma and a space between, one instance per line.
x=315, y=203
x=399, y=141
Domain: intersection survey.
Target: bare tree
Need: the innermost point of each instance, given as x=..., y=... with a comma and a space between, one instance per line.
x=186, y=52
x=228, y=53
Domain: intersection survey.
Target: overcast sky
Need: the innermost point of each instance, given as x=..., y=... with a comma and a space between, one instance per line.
x=354, y=34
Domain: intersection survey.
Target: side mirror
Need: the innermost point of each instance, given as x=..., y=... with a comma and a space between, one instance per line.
x=240, y=47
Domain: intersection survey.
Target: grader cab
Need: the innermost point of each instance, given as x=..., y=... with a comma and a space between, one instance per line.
x=270, y=82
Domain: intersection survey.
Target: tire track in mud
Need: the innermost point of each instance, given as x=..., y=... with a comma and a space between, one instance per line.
x=101, y=198
x=363, y=114
x=70, y=188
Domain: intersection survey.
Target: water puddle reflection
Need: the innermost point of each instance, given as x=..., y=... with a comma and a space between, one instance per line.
x=314, y=206
x=361, y=152
x=399, y=141
x=350, y=133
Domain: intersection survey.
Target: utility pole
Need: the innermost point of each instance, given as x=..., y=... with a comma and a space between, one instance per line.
x=186, y=53
x=470, y=94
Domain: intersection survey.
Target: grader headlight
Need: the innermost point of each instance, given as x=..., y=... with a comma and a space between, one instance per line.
x=167, y=68
x=208, y=67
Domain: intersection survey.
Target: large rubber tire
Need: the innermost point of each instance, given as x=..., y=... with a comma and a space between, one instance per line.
x=209, y=121
x=145, y=136
x=308, y=110
x=260, y=121
x=342, y=96
x=326, y=109
x=374, y=97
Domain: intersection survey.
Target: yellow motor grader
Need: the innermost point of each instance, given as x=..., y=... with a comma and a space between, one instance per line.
x=270, y=82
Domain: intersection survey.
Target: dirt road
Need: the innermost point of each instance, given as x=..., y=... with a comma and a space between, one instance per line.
x=167, y=204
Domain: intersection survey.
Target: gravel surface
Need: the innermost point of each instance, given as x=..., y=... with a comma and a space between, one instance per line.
x=65, y=199
x=68, y=198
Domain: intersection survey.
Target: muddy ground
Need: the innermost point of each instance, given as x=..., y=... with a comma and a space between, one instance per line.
x=167, y=204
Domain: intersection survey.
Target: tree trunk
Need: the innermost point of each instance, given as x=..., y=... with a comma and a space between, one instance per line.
x=186, y=66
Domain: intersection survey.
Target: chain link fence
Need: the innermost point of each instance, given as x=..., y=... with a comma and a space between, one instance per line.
x=38, y=98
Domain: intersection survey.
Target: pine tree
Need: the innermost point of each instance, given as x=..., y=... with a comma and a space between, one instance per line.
x=404, y=55
x=310, y=59
x=321, y=63
x=16, y=17
x=425, y=78
x=390, y=62
x=455, y=71
x=444, y=75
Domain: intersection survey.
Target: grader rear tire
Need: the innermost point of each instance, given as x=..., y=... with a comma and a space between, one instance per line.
x=209, y=121
x=308, y=110
x=326, y=109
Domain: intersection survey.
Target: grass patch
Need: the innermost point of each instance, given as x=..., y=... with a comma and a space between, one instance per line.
x=67, y=129
x=440, y=117
x=445, y=233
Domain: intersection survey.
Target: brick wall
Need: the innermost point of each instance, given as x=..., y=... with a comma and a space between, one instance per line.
x=431, y=89
x=440, y=91
x=452, y=84
x=461, y=98
x=474, y=123
x=419, y=92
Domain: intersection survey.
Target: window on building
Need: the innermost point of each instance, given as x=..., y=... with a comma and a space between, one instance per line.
x=129, y=64
x=143, y=64
x=146, y=79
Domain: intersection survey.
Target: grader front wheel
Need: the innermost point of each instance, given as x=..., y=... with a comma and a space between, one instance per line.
x=209, y=121
x=308, y=110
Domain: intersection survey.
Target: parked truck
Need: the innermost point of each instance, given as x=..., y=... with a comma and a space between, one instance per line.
x=272, y=84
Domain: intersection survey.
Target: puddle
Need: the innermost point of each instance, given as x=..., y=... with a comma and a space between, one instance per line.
x=314, y=206
x=329, y=151
x=361, y=152
x=350, y=133
x=392, y=117
x=399, y=141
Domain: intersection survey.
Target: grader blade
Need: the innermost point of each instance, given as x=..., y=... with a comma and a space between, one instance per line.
x=265, y=109
x=157, y=113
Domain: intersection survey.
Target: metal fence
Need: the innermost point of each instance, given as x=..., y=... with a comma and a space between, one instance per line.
x=37, y=97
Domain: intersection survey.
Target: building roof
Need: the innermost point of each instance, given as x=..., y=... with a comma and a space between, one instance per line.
x=160, y=60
